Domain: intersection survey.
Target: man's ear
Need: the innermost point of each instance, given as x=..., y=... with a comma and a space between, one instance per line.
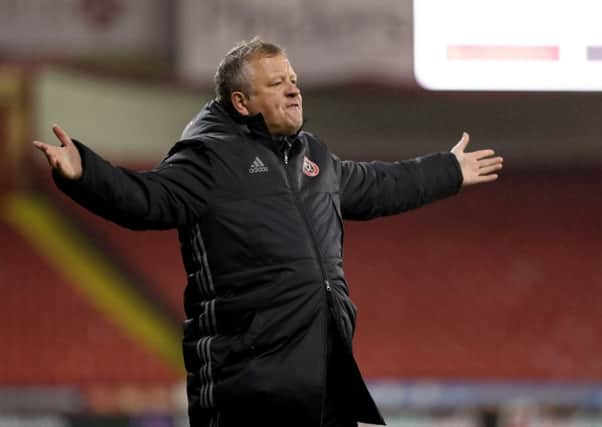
x=239, y=102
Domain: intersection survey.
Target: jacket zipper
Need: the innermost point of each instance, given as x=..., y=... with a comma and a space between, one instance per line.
x=301, y=209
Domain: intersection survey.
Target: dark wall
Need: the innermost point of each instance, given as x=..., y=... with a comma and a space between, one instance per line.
x=529, y=129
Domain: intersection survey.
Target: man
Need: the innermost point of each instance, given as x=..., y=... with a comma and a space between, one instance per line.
x=259, y=205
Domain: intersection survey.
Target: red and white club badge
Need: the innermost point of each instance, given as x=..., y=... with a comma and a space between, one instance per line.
x=310, y=168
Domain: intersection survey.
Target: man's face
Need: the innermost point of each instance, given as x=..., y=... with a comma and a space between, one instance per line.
x=274, y=94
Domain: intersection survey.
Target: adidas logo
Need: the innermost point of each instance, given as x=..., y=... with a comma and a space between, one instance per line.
x=257, y=166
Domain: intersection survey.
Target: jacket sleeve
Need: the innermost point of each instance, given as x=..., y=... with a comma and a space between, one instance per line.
x=172, y=195
x=373, y=189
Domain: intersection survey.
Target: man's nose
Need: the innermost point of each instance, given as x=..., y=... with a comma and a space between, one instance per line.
x=292, y=90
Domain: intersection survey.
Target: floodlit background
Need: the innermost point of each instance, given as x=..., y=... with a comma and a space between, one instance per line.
x=481, y=310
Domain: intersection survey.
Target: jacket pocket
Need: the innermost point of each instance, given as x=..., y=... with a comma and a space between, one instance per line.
x=247, y=342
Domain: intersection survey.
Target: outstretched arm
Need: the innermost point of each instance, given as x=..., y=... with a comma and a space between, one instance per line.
x=172, y=195
x=373, y=189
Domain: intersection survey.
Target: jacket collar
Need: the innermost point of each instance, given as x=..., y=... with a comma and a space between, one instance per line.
x=256, y=127
x=256, y=124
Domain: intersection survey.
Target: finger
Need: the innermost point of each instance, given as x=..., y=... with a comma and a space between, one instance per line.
x=461, y=145
x=487, y=170
x=45, y=148
x=490, y=162
x=487, y=178
x=41, y=146
x=62, y=135
x=481, y=154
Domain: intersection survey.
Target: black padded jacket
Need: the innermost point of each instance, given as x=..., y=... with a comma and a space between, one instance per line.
x=260, y=222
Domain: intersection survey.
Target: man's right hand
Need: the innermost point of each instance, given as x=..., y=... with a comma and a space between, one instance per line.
x=65, y=159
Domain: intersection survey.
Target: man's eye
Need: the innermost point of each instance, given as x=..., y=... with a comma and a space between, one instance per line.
x=276, y=83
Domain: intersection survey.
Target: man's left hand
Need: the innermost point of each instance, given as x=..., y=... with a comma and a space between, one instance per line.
x=477, y=166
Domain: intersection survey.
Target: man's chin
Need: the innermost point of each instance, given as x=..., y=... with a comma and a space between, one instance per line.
x=288, y=130
x=294, y=130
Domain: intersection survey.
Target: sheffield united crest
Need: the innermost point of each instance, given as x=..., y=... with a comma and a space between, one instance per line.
x=309, y=167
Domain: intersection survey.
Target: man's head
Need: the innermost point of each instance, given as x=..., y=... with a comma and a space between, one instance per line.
x=256, y=77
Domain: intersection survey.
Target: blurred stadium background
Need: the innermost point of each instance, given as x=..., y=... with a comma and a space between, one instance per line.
x=478, y=311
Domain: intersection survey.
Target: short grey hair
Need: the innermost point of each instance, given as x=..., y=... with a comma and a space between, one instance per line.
x=231, y=74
